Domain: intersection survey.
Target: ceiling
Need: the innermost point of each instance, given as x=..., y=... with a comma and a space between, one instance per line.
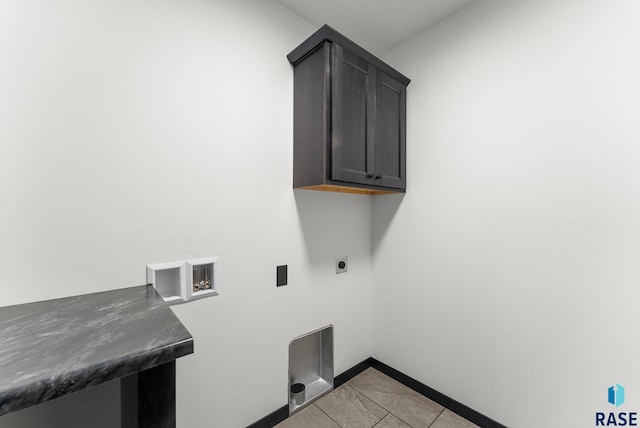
x=376, y=25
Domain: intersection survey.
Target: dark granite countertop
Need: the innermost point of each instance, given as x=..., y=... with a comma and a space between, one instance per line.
x=52, y=348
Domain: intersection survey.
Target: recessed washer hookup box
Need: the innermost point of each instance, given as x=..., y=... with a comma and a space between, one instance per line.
x=311, y=364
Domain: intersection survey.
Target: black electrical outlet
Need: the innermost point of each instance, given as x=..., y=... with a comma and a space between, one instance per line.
x=281, y=275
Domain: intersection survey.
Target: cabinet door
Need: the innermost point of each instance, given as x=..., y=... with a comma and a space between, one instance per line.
x=353, y=112
x=389, y=148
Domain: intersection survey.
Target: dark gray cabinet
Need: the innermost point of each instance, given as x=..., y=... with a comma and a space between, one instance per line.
x=349, y=118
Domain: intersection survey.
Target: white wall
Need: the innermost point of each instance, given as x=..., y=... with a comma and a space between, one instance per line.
x=508, y=276
x=137, y=132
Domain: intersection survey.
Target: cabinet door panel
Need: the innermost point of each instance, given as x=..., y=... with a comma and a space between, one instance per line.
x=353, y=105
x=390, y=141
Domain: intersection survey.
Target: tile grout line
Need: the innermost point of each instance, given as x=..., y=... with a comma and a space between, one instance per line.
x=358, y=392
x=334, y=421
x=365, y=395
x=390, y=412
x=378, y=423
x=407, y=423
x=437, y=417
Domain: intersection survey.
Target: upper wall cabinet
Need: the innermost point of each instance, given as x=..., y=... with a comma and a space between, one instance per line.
x=349, y=118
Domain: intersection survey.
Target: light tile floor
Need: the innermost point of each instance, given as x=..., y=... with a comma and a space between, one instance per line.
x=373, y=399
